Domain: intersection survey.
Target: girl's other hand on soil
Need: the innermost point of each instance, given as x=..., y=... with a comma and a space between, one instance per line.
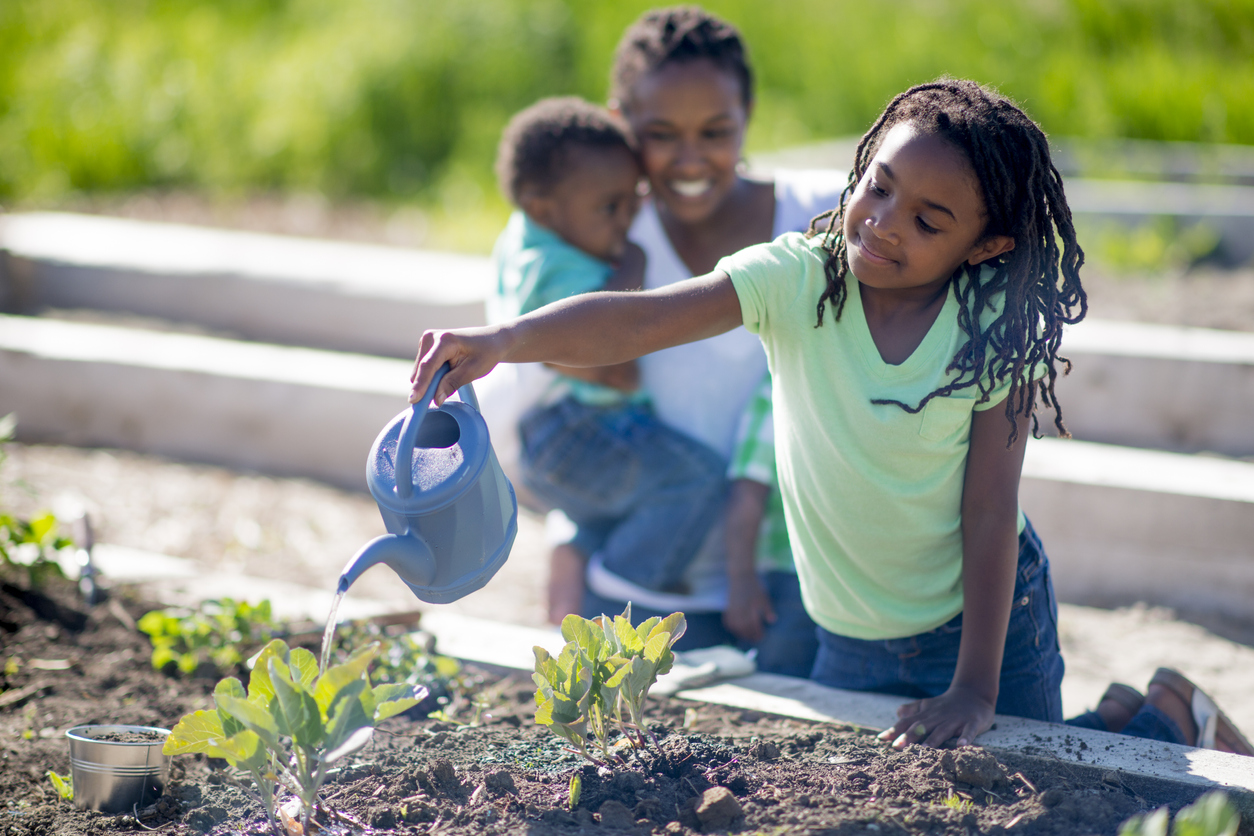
x=932, y=722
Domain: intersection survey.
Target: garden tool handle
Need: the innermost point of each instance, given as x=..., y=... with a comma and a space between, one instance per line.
x=410, y=427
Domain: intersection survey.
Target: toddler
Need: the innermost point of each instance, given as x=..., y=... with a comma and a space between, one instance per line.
x=642, y=495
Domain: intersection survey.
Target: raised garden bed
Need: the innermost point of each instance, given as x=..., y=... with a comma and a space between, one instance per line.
x=64, y=666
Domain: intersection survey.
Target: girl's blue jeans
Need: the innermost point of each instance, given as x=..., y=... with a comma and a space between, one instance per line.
x=923, y=665
x=641, y=493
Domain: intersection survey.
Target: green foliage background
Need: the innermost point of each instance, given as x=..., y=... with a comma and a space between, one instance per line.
x=403, y=99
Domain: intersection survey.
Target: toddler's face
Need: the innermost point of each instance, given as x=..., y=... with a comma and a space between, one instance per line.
x=593, y=205
x=690, y=120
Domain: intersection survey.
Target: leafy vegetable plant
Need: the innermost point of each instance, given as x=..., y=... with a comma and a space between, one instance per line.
x=606, y=667
x=220, y=633
x=29, y=546
x=291, y=724
x=1211, y=815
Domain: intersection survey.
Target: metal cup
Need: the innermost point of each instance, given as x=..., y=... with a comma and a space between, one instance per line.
x=115, y=777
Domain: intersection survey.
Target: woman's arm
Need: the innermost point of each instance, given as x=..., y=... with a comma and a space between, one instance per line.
x=990, y=549
x=593, y=329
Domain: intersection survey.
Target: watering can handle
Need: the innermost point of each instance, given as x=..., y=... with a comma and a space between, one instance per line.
x=410, y=427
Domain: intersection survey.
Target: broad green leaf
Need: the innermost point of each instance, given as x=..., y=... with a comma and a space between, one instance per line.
x=627, y=637
x=658, y=645
x=297, y=713
x=230, y=687
x=260, y=691
x=675, y=624
x=338, y=677
x=544, y=713
x=304, y=667
x=349, y=714
x=392, y=699
x=1150, y=824
x=576, y=629
x=243, y=750
x=355, y=741
x=195, y=732
x=645, y=628
x=252, y=715
x=1211, y=815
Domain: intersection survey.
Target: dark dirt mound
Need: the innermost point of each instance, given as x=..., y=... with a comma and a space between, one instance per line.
x=717, y=769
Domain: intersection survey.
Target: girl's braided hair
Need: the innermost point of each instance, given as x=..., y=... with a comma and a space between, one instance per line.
x=1024, y=199
x=675, y=35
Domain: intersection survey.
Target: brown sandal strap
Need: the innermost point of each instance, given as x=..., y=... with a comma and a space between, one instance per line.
x=1127, y=696
x=1183, y=687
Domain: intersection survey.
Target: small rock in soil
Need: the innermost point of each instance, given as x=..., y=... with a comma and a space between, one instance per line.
x=976, y=767
x=444, y=773
x=204, y=818
x=649, y=808
x=718, y=809
x=764, y=750
x=616, y=815
x=500, y=782
x=382, y=818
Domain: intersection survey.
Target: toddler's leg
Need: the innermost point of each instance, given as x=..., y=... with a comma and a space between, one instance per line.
x=566, y=581
x=678, y=497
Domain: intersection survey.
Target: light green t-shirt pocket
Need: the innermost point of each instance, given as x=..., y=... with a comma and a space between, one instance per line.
x=946, y=418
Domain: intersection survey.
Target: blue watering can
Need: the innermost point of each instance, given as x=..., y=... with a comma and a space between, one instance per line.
x=450, y=512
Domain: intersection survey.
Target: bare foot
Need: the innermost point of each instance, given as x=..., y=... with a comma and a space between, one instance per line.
x=1114, y=714
x=1173, y=705
x=566, y=582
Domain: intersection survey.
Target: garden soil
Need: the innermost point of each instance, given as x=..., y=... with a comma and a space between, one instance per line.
x=715, y=770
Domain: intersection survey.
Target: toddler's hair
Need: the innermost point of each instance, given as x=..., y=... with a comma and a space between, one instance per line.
x=1024, y=199
x=536, y=142
x=675, y=35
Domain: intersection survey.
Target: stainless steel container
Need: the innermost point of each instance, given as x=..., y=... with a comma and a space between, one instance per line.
x=115, y=777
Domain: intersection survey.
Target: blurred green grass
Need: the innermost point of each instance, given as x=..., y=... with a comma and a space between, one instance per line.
x=403, y=100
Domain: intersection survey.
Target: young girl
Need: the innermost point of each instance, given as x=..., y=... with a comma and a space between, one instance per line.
x=908, y=340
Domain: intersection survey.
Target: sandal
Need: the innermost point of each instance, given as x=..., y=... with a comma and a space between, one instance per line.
x=1127, y=696
x=1213, y=726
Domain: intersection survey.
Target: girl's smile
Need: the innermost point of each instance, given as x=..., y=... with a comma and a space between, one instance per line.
x=916, y=215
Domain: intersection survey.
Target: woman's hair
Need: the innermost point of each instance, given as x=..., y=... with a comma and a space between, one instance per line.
x=1024, y=199
x=676, y=35
x=536, y=143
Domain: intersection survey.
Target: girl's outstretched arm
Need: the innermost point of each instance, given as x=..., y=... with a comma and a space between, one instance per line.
x=990, y=553
x=593, y=329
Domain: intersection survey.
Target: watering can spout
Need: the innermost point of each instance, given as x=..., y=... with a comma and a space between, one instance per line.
x=407, y=555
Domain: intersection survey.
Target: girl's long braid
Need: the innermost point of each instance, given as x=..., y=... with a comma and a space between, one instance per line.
x=1024, y=198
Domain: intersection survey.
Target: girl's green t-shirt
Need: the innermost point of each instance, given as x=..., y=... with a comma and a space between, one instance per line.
x=872, y=494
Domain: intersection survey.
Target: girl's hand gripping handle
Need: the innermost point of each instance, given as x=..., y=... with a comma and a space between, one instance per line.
x=470, y=353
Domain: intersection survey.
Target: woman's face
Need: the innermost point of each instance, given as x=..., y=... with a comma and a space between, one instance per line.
x=690, y=120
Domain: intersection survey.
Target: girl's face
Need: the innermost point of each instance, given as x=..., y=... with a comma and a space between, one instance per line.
x=689, y=119
x=917, y=213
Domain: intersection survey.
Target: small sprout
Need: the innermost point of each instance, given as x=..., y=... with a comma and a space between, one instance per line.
x=956, y=802
x=576, y=789
x=64, y=785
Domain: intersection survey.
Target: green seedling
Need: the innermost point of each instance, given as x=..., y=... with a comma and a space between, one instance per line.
x=606, y=666
x=29, y=546
x=576, y=789
x=956, y=802
x=290, y=725
x=63, y=784
x=1211, y=815
x=221, y=633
